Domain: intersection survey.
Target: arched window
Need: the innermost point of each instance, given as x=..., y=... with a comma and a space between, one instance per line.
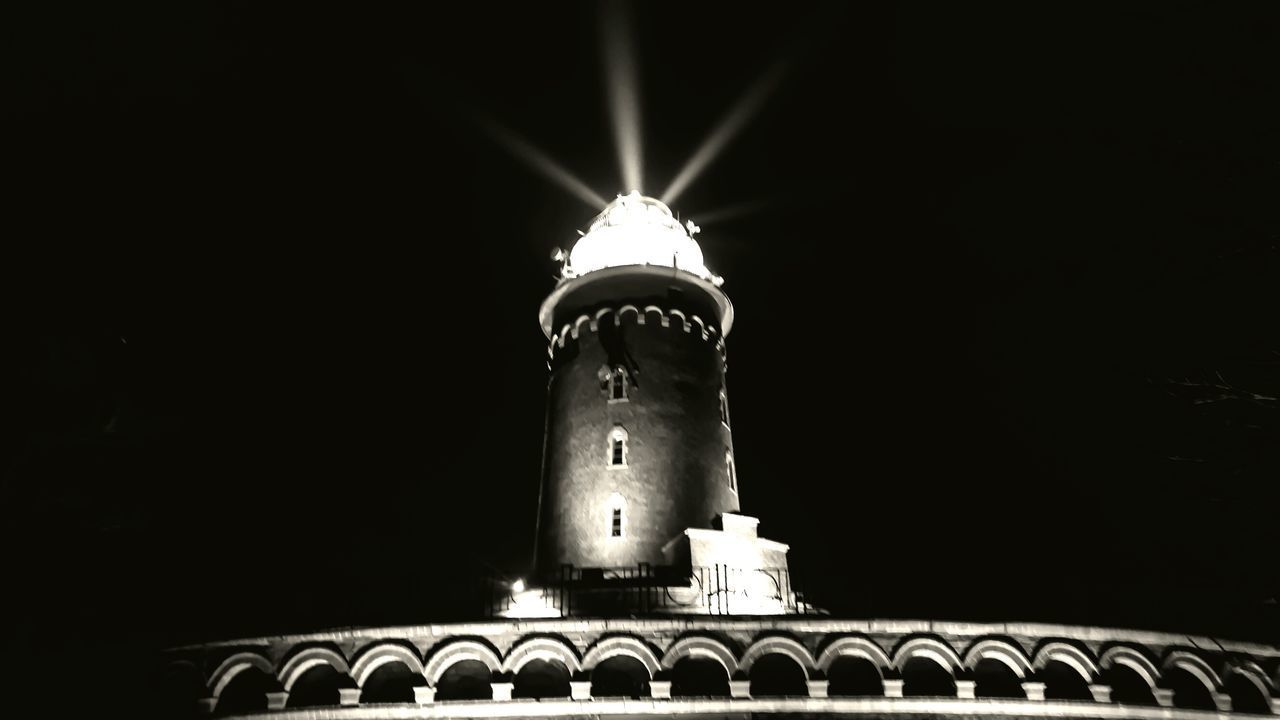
x=615, y=517
x=724, y=409
x=618, y=385
x=617, y=447
x=732, y=471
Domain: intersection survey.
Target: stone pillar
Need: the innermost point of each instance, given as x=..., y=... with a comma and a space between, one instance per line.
x=502, y=690
x=965, y=688
x=1223, y=701
x=1101, y=693
x=1164, y=697
x=818, y=688
x=580, y=689
x=424, y=695
x=349, y=696
x=660, y=689
x=740, y=688
x=893, y=688
x=206, y=705
x=1275, y=706
x=277, y=700
x=1034, y=690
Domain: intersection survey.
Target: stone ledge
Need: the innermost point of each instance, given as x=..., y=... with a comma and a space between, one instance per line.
x=692, y=706
x=430, y=634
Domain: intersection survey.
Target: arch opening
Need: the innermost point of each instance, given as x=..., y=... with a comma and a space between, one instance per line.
x=1127, y=686
x=1188, y=690
x=1063, y=682
x=778, y=675
x=850, y=675
x=699, y=677
x=316, y=687
x=465, y=680
x=1246, y=696
x=542, y=679
x=620, y=676
x=994, y=679
x=923, y=677
x=246, y=693
x=391, y=682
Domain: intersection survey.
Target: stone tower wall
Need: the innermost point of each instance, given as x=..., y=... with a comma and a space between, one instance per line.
x=675, y=476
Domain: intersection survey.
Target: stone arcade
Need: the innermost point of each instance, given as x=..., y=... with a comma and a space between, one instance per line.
x=653, y=595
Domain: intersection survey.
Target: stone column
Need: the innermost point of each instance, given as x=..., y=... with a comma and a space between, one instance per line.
x=660, y=689
x=740, y=688
x=349, y=696
x=580, y=689
x=965, y=688
x=1164, y=697
x=277, y=700
x=207, y=705
x=893, y=688
x=424, y=695
x=1275, y=706
x=1101, y=693
x=502, y=690
x=1223, y=701
x=1034, y=690
x=818, y=688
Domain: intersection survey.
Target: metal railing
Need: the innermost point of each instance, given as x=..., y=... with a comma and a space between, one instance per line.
x=653, y=590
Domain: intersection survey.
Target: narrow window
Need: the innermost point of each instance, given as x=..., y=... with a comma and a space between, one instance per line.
x=617, y=450
x=724, y=408
x=733, y=473
x=615, y=510
x=618, y=384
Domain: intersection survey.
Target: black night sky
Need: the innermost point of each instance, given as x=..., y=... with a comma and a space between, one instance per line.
x=1006, y=345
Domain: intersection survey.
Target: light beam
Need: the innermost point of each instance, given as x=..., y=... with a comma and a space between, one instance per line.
x=732, y=212
x=539, y=161
x=725, y=130
x=622, y=88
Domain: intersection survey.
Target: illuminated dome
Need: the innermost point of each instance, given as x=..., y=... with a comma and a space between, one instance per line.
x=637, y=230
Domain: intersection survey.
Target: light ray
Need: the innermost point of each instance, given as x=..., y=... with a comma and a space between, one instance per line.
x=539, y=161
x=622, y=87
x=725, y=213
x=730, y=125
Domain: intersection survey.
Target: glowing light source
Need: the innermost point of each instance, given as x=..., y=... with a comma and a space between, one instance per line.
x=540, y=161
x=517, y=586
x=622, y=87
x=724, y=131
x=531, y=603
x=637, y=230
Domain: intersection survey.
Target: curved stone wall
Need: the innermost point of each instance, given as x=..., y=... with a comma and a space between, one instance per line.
x=675, y=471
x=754, y=665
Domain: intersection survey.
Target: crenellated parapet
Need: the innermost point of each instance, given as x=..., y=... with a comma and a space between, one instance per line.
x=650, y=316
x=711, y=665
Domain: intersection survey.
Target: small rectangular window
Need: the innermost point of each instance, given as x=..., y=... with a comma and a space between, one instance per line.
x=724, y=409
x=618, y=384
x=617, y=451
x=616, y=530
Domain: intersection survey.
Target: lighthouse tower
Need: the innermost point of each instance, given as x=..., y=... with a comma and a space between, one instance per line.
x=638, y=468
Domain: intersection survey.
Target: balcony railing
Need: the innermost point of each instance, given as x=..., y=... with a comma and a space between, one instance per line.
x=653, y=590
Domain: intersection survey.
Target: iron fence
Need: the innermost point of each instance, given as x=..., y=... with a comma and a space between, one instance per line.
x=652, y=590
